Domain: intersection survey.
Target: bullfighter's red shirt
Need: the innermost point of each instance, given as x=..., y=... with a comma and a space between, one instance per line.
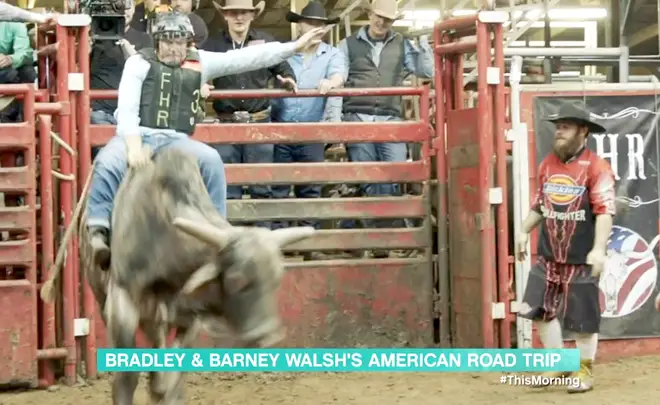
x=569, y=196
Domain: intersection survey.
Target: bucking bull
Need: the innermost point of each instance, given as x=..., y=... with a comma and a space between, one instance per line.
x=176, y=263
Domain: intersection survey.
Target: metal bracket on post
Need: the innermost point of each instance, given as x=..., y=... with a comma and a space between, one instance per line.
x=74, y=20
x=80, y=327
x=495, y=195
x=493, y=75
x=498, y=311
x=515, y=134
x=76, y=82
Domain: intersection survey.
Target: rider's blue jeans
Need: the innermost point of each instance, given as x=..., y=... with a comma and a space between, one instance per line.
x=111, y=165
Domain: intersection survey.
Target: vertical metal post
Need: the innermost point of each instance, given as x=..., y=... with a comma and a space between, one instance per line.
x=85, y=156
x=72, y=141
x=615, y=19
x=441, y=173
x=49, y=340
x=657, y=9
x=624, y=66
x=502, y=255
x=66, y=190
x=485, y=130
x=547, y=36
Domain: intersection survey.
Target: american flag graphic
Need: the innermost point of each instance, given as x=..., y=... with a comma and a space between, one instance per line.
x=630, y=273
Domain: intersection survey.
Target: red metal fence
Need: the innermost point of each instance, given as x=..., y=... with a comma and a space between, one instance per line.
x=36, y=176
x=370, y=302
x=375, y=302
x=465, y=290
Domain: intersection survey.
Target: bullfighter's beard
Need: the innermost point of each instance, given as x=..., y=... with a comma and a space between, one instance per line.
x=567, y=150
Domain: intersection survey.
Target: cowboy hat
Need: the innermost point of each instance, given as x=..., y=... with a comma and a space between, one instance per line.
x=312, y=11
x=577, y=113
x=241, y=5
x=386, y=8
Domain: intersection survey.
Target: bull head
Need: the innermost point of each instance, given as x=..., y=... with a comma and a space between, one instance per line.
x=220, y=238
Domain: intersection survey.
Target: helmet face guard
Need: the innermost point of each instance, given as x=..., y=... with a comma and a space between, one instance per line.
x=171, y=25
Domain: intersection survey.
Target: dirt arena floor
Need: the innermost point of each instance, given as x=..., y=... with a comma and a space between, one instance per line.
x=627, y=382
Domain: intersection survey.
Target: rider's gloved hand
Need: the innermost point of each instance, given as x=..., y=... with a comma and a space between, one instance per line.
x=138, y=155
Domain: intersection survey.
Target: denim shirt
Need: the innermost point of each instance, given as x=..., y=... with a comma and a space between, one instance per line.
x=325, y=63
x=419, y=61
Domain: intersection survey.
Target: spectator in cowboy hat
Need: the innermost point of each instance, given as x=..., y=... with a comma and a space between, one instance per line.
x=376, y=56
x=319, y=67
x=239, y=15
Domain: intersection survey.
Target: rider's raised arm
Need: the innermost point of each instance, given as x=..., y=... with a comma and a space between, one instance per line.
x=129, y=94
x=216, y=64
x=12, y=13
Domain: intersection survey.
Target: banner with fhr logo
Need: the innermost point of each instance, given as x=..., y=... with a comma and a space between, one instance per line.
x=629, y=282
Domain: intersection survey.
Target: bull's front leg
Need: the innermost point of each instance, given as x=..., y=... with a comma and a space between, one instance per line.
x=123, y=318
x=156, y=332
x=184, y=338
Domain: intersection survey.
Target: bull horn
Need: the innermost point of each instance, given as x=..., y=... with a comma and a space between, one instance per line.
x=287, y=236
x=200, y=277
x=204, y=232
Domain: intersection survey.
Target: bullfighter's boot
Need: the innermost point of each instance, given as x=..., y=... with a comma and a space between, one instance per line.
x=547, y=378
x=585, y=378
x=98, y=240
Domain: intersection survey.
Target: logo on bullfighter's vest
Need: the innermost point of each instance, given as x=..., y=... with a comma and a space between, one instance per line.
x=630, y=273
x=561, y=189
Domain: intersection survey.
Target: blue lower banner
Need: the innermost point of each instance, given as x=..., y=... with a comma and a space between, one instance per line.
x=338, y=360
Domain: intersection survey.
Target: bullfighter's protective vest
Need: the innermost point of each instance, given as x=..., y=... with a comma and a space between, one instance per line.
x=171, y=95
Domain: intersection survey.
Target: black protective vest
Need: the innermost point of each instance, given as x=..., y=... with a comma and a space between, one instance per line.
x=171, y=95
x=364, y=73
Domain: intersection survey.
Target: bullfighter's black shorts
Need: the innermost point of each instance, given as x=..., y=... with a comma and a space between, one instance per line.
x=565, y=290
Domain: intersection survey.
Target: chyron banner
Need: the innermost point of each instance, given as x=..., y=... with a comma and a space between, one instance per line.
x=629, y=282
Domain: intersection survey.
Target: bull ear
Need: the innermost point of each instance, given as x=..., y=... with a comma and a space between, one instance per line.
x=203, y=231
x=286, y=236
x=200, y=277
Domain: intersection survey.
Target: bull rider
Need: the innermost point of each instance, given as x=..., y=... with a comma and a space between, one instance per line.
x=157, y=107
x=575, y=206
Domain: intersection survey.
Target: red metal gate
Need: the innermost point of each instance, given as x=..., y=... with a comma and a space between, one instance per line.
x=472, y=169
x=370, y=302
x=18, y=253
x=30, y=329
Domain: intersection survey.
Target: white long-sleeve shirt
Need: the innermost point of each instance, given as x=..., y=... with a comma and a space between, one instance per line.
x=213, y=64
x=17, y=14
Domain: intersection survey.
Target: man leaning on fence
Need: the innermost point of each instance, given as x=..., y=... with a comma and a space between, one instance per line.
x=239, y=15
x=319, y=67
x=376, y=56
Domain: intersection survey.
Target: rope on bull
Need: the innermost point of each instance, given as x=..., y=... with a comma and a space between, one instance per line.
x=47, y=291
